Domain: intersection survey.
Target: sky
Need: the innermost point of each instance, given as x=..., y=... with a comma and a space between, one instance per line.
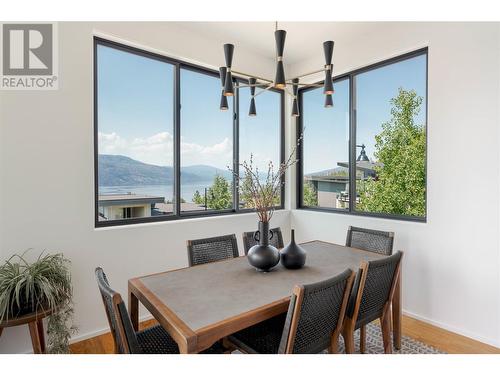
x=326, y=134
x=135, y=115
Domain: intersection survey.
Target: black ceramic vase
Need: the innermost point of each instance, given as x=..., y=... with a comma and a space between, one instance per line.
x=263, y=256
x=293, y=256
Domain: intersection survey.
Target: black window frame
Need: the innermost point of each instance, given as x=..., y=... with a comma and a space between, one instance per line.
x=350, y=76
x=177, y=213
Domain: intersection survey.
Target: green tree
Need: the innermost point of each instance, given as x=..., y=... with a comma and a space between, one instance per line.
x=197, y=198
x=245, y=192
x=310, y=195
x=219, y=194
x=399, y=186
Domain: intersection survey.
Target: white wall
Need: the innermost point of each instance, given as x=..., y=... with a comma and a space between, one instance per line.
x=46, y=175
x=451, y=263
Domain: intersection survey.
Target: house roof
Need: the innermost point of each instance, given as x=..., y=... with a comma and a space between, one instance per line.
x=122, y=199
x=361, y=165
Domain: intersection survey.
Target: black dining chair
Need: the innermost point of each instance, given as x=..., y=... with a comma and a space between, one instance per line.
x=375, y=241
x=213, y=249
x=312, y=324
x=276, y=239
x=153, y=340
x=371, y=299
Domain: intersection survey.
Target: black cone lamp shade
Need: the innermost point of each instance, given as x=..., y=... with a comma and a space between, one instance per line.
x=228, y=84
x=252, y=111
x=328, y=86
x=328, y=101
x=223, y=99
x=295, y=104
x=328, y=49
x=279, y=80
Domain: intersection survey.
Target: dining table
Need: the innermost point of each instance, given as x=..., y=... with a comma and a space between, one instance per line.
x=202, y=304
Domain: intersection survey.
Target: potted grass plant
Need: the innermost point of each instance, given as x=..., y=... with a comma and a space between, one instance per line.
x=44, y=284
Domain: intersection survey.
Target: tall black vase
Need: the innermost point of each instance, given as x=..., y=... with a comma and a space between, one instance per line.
x=293, y=256
x=263, y=256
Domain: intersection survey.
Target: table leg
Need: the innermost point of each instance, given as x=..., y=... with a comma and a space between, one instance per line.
x=1, y=329
x=35, y=337
x=133, y=309
x=397, y=313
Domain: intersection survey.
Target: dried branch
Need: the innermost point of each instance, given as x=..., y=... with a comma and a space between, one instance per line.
x=263, y=195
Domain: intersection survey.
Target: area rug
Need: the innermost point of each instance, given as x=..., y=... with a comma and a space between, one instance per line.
x=375, y=345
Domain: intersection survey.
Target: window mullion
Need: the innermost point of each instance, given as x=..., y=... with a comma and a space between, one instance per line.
x=236, y=149
x=352, y=143
x=177, y=140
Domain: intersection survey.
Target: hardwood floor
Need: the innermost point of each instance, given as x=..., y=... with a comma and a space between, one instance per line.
x=439, y=338
x=444, y=340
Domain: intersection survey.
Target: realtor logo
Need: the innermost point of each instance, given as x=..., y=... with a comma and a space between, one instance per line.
x=29, y=59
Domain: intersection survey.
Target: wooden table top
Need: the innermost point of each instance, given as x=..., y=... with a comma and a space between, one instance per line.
x=26, y=318
x=205, y=295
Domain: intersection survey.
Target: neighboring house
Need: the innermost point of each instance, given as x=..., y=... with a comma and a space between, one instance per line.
x=333, y=189
x=126, y=206
x=329, y=189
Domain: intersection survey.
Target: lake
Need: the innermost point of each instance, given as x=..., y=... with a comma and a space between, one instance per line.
x=187, y=190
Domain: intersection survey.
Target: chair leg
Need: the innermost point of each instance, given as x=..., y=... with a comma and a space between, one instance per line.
x=348, y=341
x=228, y=346
x=386, y=333
x=362, y=339
x=334, y=343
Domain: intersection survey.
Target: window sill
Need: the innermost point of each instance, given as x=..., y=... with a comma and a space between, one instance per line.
x=140, y=222
x=414, y=219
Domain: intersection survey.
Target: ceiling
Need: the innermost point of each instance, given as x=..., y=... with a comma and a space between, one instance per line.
x=304, y=39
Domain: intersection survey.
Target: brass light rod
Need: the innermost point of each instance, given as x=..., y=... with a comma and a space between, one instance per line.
x=307, y=74
x=251, y=75
x=264, y=90
x=255, y=85
x=309, y=84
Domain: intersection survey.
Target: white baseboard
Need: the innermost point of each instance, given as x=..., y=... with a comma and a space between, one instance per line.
x=102, y=331
x=453, y=329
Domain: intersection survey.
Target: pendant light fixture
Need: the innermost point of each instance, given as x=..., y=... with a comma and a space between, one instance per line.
x=228, y=84
x=252, y=111
x=280, y=81
x=223, y=98
x=295, y=103
x=328, y=101
x=328, y=84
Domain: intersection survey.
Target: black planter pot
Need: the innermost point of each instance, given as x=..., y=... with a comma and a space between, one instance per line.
x=24, y=307
x=293, y=256
x=263, y=256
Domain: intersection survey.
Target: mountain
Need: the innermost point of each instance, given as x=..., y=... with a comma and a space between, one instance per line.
x=205, y=172
x=119, y=170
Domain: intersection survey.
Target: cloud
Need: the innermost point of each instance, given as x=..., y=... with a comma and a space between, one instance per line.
x=158, y=149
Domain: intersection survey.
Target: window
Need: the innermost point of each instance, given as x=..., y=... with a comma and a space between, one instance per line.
x=380, y=159
x=260, y=135
x=326, y=148
x=135, y=117
x=162, y=145
x=206, y=144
